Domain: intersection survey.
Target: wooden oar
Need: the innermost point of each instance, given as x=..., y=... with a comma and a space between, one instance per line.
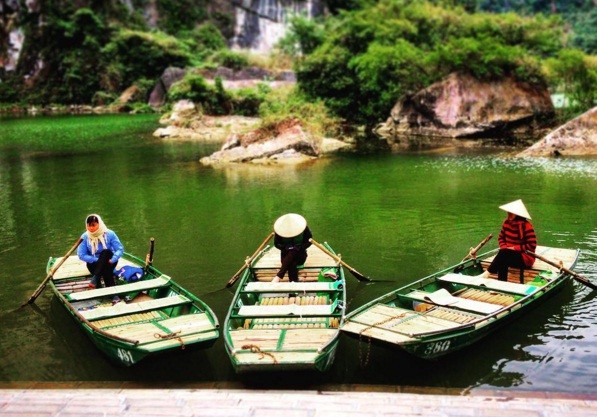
x=149, y=256
x=48, y=277
x=354, y=272
x=248, y=261
x=561, y=267
x=473, y=252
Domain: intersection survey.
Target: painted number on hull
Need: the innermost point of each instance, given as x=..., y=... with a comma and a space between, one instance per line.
x=437, y=347
x=125, y=356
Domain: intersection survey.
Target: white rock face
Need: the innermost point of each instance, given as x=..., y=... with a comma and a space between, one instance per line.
x=16, y=38
x=260, y=24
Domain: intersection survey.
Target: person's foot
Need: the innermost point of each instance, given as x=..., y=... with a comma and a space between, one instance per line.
x=93, y=282
x=115, y=300
x=276, y=279
x=485, y=274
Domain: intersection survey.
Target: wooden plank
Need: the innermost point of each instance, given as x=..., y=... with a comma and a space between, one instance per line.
x=315, y=258
x=74, y=267
x=122, y=308
x=461, y=317
x=445, y=299
x=308, y=338
x=302, y=276
x=493, y=284
x=150, y=332
x=287, y=309
x=487, y=296
x=161, y=281
x=264, y=339
x=402, y=320
x=375, y=332
x=291, y=286
x=275, y=358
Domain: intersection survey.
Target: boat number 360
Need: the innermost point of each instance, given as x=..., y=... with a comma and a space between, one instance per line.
x=437, y=347
x=125, y=355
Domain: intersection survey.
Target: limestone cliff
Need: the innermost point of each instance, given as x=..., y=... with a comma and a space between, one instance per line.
x=261, y=23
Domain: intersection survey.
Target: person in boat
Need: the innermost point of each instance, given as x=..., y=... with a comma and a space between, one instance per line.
x=100, y=250
x=291, y=236
x=516, y=236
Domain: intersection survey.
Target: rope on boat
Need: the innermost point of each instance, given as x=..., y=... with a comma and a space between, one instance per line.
x=380, y=323
x=257, y=349
x=174, y=335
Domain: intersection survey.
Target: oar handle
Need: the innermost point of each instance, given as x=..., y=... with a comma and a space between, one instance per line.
x=248, y=261
x=561, y=267
x=473, y=252
x=356, y=273
x=149, y=257
x=53, y=270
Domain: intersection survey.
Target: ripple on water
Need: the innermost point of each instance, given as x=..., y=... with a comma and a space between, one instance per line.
x=581, y=167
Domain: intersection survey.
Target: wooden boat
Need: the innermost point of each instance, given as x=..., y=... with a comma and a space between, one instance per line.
x=453, y=308
x=286, y=325
x=156, y=314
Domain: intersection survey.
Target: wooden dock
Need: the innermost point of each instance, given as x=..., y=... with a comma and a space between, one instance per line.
x=138, y=400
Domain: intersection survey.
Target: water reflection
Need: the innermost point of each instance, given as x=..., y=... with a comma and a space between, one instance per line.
x=394, y=217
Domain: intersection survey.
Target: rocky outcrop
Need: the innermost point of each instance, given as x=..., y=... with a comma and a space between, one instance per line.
x=186, y=122
x=577, y=137
x=461, y=106
x=231, y=80
x=286, y=143
x=157, y=97
x=249, y=77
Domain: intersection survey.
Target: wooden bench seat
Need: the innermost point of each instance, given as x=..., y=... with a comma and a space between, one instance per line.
x=291, y=286
x=122, y=308
x=161, y=281
x=285, y=310
x=444, y=298
x=73, y=267
x=493, y=284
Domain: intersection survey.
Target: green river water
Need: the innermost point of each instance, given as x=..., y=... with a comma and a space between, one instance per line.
x=393, y=217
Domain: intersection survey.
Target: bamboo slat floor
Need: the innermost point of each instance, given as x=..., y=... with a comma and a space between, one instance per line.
x=131, y=400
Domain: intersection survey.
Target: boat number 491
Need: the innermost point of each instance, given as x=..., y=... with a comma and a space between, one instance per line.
x=125, y=355
x=437, y=347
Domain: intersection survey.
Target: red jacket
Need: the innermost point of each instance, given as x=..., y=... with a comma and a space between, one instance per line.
x=520, y=235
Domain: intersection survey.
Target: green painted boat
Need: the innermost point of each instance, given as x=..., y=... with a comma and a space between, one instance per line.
x=286, y=325
x=156, y=315
x=453, y=308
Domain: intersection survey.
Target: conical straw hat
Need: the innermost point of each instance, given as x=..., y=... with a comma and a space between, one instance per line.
x=290, y=225
x=517, y=207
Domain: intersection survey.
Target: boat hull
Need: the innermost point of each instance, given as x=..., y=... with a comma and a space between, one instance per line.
x=448, y=311
x=286, y=326
x=158, y=317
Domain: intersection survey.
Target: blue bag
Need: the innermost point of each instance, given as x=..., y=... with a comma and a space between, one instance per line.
x=129, y=273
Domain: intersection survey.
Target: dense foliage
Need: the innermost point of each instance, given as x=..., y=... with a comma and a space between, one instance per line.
x=373, y=55
x=91, y=51
x=354, y=64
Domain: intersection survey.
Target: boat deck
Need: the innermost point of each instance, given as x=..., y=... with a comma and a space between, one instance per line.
x=474, y=300
x=150, y=323
x=287, y=324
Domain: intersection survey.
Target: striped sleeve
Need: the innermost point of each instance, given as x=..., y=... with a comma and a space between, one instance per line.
x=530, y=238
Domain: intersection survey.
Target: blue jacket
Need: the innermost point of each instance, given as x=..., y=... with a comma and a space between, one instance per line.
x=84, y=250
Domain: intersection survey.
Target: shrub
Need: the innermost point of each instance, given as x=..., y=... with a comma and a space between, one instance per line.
x=144, y=55
x=230, y=59
x=289, y=103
